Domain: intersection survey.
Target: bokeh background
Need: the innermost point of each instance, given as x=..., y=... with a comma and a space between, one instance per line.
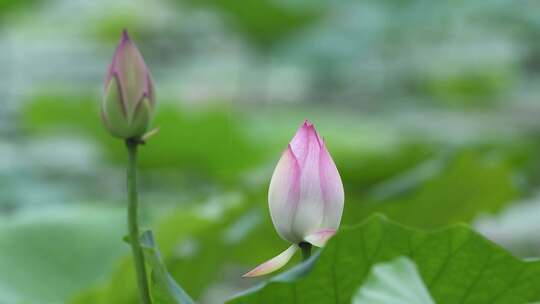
x=430, y=108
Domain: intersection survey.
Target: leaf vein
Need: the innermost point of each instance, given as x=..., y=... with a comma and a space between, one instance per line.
x=469, y=289
x=446, y=262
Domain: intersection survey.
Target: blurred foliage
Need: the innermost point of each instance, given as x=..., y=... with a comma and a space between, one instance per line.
x=263, y=22
x=205, y=143
x=7, y=6
x=189, y=242
x=109, y=26
x=472, y=87
x=364, y=172
x=39, y=261
x=468, y=185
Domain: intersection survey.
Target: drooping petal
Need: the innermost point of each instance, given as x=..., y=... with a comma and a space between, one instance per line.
x=283, y=194
x=310, y=210
x=320, y=237
x=332, y=190
x=273, y=264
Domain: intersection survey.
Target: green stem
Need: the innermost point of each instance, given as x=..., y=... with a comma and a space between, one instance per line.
x=138, y=257
x=306, y=250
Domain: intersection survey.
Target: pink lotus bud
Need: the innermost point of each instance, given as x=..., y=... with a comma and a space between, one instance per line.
x=305, y=196
x=129, y=100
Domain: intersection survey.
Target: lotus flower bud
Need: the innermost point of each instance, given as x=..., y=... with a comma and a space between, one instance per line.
x=305, y=196
x=129, y=100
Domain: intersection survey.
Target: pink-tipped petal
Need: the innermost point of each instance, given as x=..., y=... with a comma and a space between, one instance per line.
x=300, y=142
x=310, y=211
x=272, y=264
x=133, y=76
x=283, y=194
x=332, y=190
x=320, y=238
x=112, y=71
x=132, y=71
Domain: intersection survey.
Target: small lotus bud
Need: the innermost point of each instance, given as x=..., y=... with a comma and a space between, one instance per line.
x=128, y=101
x=305, y=196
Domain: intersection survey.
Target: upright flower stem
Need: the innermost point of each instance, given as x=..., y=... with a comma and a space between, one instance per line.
x=306, y=250
x=138, y=257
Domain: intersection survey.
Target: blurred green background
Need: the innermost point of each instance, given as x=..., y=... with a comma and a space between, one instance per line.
x=430, y=109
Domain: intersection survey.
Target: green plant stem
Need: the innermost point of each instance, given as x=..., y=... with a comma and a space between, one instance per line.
x=306, y=250
x=133, y=226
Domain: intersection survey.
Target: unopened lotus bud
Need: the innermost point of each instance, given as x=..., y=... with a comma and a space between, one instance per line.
x=128, y=102
x=305, y=196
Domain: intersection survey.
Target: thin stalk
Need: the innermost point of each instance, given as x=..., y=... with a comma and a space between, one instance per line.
x=306, y=250
x=133, y=226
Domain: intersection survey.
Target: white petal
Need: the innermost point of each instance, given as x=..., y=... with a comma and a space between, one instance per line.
x=283, y=194
x=310, y=209
x=300, y=142
x=332, y=190
x=273, y=264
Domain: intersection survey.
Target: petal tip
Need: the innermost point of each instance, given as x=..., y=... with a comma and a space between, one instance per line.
x=125, y=35
x=273, y=264
x=307, y=123
x=250, y=274
x=290, y=150
x=309, y=127
x=125, y=41
x=258, y=271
